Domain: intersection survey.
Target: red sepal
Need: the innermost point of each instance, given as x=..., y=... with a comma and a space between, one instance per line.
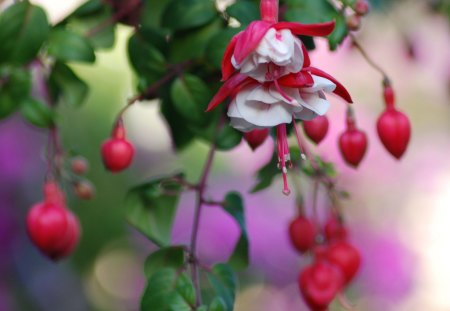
x=313, y=30
x=297, y=80
x=227, y=89
x=340, y=89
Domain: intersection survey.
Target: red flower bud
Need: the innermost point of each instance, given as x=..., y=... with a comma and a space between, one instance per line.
x=353, y=142
x=79, y=165
x=346, y=257
x=316, y=129
x=361, y=7
x=394, y=130
x=117, y=152
x=302, y=234
x=335, y=230
x=256, y=138
x=353, y=22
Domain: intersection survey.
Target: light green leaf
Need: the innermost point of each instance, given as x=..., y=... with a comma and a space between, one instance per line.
x=224, y=282
x=244, y=11
x=217, y=305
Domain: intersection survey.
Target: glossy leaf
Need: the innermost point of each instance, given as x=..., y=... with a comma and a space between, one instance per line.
x=186, y=14
x=217, y=46
x=190, y=96
x=339, y=33
x=167, y=257
x=66, y=45
x=67, y=86
x=228, y=138
x=244, y=11
x=217, y=305
x=168, y=290
x=234, y=206
x=266, y=175
x=151, y=208
x=224, y=282
x=37, y=113
x=23, y=29
x=15, y=86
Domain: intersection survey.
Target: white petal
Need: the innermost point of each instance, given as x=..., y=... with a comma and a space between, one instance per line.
x=262, y=94
x=290, y=92
x=320, y=84
x=265, y=115
x=315, y=104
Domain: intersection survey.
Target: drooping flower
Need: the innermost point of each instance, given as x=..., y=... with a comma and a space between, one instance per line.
x=270, y=81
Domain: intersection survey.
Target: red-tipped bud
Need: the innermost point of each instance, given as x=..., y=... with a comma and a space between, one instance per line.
x=389, y=96
x=319, y=284
x=117, y=152
x=346, y=257
x=79, y=165
x=256, y=138
x=361, y=7
x=352, y=142
x=394, y=130
x=353, y=22
x=302, y=234
x=316, y=129
x=84, y=190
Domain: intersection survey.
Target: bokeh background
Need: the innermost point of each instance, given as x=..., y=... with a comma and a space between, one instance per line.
x=399, y=211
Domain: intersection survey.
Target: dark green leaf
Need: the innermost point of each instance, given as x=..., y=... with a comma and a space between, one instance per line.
x=37, y=113
x=151, y=208
x=186, y=14
x=218, y=44
x=228, y=138
x=23, y=30
x=202, y=308
x=244, y=11
x=163, y=292
x=217, y=305
x=167, y=257
x=146, y=59
x=223, y=279
x=192, y=44
x=310, y=11
x=186, y=290
x=88, y=8
x=67, y=86
x=66, y=45
x=266, y=175
x=15, y=86
x=181, y=134
x=152, y=13
x=191, y=96
x=235, y=207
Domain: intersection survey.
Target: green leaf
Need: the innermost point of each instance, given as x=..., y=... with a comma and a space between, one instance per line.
x=67, y=86
x=217, y=305
x=339, y=33
x=167, y=257
x=66, y=45
x=23, y=29
x=228, y=138
x=186, y=14
x=146, y=59
x=235, y=207
x=181, y=45
x=166, y=291
x=266, y=175
x=152, y=12
x=224, y=282
x=88, y=8
x=244, y=11
x=191, y=96
x=37, y=113
x=310, y=11
x=218, y=44
x=202, y=308
x=181, y=134
x=151, y=208
x=15, y=86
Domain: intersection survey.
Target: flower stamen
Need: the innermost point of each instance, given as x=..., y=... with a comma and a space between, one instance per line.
x=283, y=155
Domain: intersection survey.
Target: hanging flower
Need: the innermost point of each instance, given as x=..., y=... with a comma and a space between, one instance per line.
x=270, y=81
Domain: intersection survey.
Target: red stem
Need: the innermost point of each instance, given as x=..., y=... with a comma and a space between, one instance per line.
x=269, y=10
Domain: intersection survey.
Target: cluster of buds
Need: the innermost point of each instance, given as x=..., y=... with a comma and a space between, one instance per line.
x=335, y=260
x=52, y=227
x=270, y=81
x=360, y=8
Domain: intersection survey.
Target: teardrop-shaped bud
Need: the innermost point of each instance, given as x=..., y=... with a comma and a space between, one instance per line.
x=316, y=129
x=256, y=138
x=346, y=257
x=302, y=233
x=319, y=284
x=394, y=130
x=335, y=230
x=117, y=152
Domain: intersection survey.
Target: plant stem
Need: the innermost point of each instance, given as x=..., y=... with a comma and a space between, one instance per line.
x=197, y=215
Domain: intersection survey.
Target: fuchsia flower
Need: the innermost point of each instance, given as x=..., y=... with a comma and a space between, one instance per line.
x=269, y=78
